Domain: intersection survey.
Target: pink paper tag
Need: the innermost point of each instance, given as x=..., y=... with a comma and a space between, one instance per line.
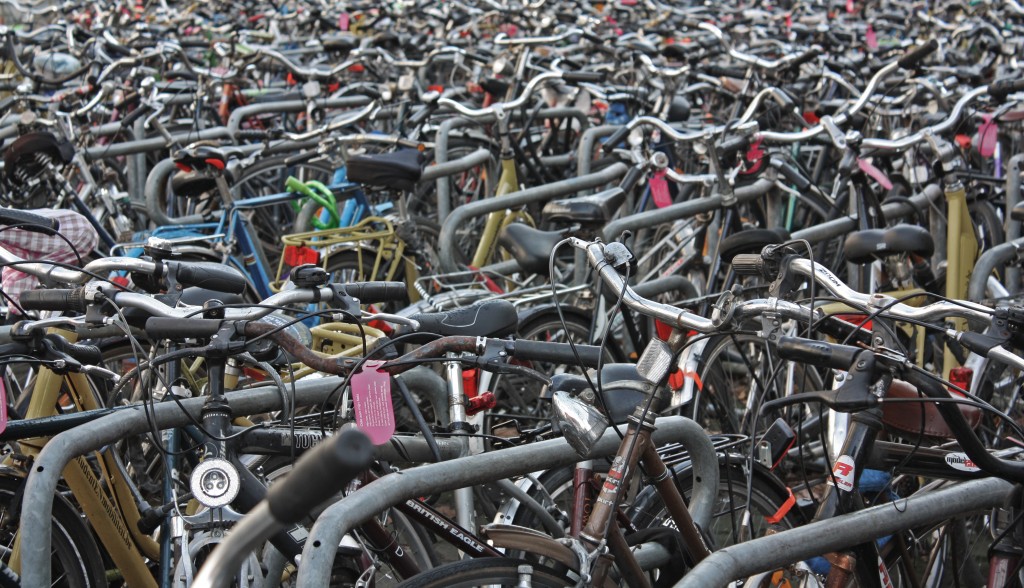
x=659, y=189
x=988, y=137
x=343, y=21
x=849, y=6
x=3, y=406
x=870, y=38
x=371, y=397
x=874, y=173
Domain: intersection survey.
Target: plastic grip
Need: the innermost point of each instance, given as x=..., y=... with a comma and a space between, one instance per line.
x=62, y=300
x=631, y=179
x=31, y=222
x=252, y=135
x=809, y=55
x=373, y=292
x=616, y=138
x=917, y=55
x=818, y=353
x=748, y=264
x=320, y=474
x=731, y=145
x=133, y=116
x=180, y=329
x=593, y=38
x=1000, y=89
x=719, y=71
x=420, y=115
x=212, y=276
x=557, y=353
x=477, y=57
x=85, y=354
x=582, y=76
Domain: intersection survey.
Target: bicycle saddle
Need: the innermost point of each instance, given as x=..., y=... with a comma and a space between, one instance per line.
x=594, y=209
x=490, y=318
x=750, y=241
x=906, y=417
x=620, y=400
x=530, y=247
x=204, y=157
x=340, y=44
x=21, y=152
x=865, y=246
x=399, y=170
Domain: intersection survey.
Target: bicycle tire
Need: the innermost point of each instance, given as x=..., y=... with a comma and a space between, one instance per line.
x=486, y=571
x=75, y=557
x=768, y=496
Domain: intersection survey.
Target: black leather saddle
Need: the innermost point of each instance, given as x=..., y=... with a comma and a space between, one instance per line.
x=490, y=318
x=530, y=247
x=594, y=209
x=865, y=246
x=750, y=241
x=399, y=170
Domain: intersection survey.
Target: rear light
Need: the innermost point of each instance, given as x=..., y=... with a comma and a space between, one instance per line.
x=469, y=383
x=962, y=378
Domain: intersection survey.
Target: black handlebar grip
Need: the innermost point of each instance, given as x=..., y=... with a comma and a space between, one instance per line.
x=1000, y=89
x=29, y=221
x=133, y=116
x=731, y=145
x=632, y=178
x=158, y=327
x=748, y=264
x=719, y=71
x=818, y=353
x=556, y=353
x=320, y=474
x=60, y=299
x=593, y=38
x=477, y=57
x=420, y=115
x=252, y=135
x=790, y=172
x=373, y=292
x=616, y=138
x=577, y=77
x=84, y=354
x=809, y=55
x=917, y=55
x=212, y=276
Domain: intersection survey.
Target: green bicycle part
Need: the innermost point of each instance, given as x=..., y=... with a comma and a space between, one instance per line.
x=318, y=193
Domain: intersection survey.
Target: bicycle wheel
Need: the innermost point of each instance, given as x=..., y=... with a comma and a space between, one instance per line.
x=737, y=372
x=520, y=396
x=488, y=571
x=74, y=556
x=767, y=496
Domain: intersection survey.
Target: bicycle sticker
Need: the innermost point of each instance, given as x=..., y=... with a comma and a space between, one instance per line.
x=371, y=398
x=842, y=473
x=883, y=574
x=960, y=461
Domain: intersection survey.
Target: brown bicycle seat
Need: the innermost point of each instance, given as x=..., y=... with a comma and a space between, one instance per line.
x=906, y=417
